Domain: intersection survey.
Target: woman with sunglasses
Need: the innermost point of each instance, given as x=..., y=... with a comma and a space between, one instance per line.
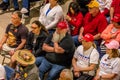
x=36, y=38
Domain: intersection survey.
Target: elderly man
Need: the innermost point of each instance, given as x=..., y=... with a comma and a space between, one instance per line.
x=15, y=35
x=59, y=49
x=94, y=23
x=25, y=68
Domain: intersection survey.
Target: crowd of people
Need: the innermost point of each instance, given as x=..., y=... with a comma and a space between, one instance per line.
x=64, y=46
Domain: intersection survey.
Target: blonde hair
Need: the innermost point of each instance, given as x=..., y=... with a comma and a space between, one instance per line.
x=115, y=53
x=66, y=74
x=94, y=45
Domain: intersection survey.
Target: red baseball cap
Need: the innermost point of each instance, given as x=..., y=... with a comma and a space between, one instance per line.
x=88, y=37
x=62, y=25
x=116, y=18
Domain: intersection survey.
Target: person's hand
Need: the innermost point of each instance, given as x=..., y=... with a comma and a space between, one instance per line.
x=80, y=37
x=76, y=74
x=76, y=68
x=17, y=76
x=68, y=18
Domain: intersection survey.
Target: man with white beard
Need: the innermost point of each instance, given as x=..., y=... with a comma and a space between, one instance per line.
x=59, y=48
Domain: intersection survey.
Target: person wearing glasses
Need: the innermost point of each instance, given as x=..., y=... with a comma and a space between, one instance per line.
x=36, y=38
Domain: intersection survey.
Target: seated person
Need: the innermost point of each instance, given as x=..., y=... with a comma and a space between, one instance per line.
x=50, y=15
x=25, y=68
x=85, y=57
x=110, y=63
x=74, y=18
x=15, y=35
x=36, y=38
x=112, y=31
x=94, y=23
x=2, y=73
x=59, y=48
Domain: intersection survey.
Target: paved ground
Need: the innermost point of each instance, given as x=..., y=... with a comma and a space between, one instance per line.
x=5, y=19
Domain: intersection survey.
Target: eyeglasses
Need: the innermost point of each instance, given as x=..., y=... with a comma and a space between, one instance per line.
x=33, y=27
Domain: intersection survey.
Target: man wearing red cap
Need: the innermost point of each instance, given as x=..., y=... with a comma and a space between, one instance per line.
x=94, y=23
x=59, y=48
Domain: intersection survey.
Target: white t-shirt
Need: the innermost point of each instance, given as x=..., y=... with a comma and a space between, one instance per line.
x=2, y=72
x=87, y=57
x=109, y=66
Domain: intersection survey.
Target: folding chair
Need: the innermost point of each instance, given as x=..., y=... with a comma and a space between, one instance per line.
x=5, y=55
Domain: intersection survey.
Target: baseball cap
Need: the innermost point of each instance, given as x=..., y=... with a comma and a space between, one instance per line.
x=112, y=44
x=62, y=25
x=93, y=3
x=116, y=18
x=88, y=37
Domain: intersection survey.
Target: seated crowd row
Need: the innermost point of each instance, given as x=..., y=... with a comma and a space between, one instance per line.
x=75, y=41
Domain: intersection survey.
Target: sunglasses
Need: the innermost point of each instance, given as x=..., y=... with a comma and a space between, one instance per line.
x=34, y=27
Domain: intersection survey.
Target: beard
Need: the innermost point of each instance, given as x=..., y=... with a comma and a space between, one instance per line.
x=58, y=37
x=62, y=35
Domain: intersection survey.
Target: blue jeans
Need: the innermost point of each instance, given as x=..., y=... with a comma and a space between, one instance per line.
x=6, y=1
x=98, y=49
x=39, y=60
x=25, y=4
x=75, y=39
x=9, y=72
x=108, y=19
x=52, y=69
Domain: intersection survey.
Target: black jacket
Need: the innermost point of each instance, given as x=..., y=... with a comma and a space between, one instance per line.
x=37, y=48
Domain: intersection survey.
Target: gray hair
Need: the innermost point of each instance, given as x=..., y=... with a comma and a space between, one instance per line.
x=18, y=13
